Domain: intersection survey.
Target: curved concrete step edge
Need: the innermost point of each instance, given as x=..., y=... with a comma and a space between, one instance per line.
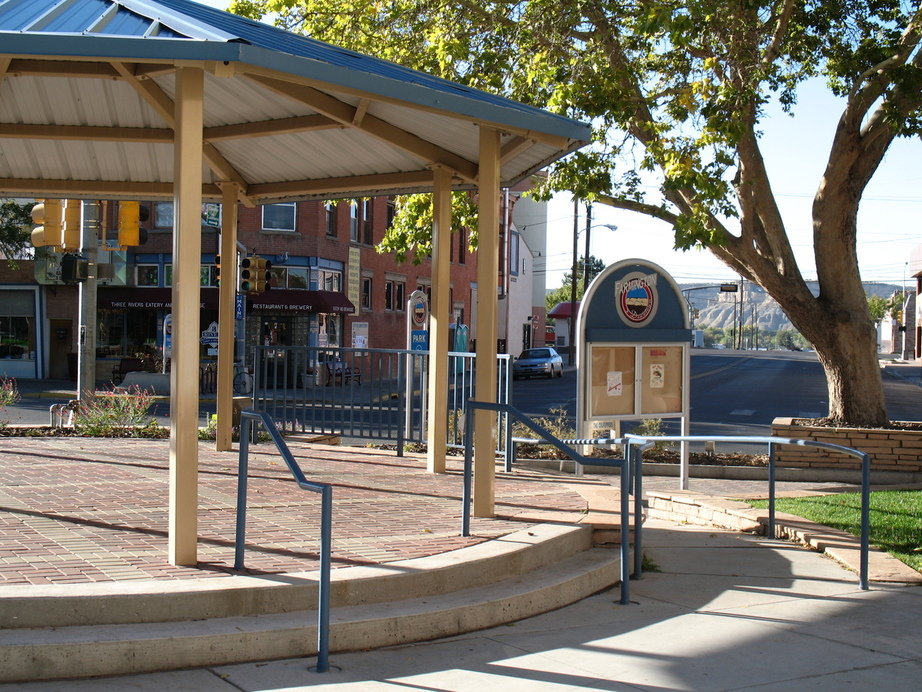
x=88, y=651
x=61, y=605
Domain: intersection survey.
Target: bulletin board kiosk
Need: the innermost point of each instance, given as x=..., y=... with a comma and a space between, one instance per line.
x=632, y=352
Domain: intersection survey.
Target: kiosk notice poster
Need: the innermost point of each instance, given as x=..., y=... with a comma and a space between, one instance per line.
x=632, y=348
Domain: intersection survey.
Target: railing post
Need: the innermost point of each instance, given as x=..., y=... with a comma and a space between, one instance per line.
x=468, y=467
x=865, y=520
x=625, y=529
x=240, y=539
x=637, y=468
x=323, y=596
x=771, y=490
x=404, y=406
x=507, y=451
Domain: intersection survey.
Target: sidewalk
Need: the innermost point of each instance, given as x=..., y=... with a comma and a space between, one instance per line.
x=726, y=612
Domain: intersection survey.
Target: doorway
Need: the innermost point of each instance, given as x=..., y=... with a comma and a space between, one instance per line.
x=59, y=350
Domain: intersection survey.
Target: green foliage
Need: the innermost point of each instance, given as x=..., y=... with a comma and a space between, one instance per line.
x=562, y=294
x=896, y=518
x=411, y=232
x=558, y=423
x=15, y=225
x=116, y=414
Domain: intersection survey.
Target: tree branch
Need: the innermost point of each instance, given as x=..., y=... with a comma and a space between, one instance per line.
x=781, y=26
x=657, y=212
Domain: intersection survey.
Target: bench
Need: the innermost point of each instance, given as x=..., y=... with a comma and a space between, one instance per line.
x=338, y=370
x=126, y=365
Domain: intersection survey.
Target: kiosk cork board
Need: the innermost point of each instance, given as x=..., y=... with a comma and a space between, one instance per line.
x=632, y=348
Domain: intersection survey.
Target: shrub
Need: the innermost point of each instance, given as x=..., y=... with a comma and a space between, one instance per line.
x=116, y=414
x=9, y=395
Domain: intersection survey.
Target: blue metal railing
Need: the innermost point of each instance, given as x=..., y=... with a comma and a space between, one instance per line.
x=772, y=443
x=325, y=490
x=633, y=450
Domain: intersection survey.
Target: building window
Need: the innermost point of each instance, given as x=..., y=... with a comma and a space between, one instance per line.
x=354, y=221
x=279, y=217
x=391, y=212
x=163, y=215
x=367, y=221
x=394, y=295
x=462, y=245
x=514, y=253
x=297, y=277
x=330, y=211
x=17, y=325
x=366, y=292
x=147, y=275
x=329, y=280
x=427, y=289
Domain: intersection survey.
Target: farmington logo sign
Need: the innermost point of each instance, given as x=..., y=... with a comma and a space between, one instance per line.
x=636, y=298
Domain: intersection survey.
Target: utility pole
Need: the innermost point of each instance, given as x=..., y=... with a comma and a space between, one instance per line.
x=573, y=272
x=89, y=242
x=586, y=256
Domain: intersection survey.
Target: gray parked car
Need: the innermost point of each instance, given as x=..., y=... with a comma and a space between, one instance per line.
x=544, y=361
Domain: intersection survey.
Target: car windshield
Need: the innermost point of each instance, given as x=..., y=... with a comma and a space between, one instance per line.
x=536, y=353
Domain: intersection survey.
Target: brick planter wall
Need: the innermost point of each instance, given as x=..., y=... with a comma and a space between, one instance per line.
x=890, y=450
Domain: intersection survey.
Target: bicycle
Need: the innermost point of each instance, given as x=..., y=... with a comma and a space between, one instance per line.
x=243, y=379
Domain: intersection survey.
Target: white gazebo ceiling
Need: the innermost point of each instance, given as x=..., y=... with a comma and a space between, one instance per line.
x=86, y=109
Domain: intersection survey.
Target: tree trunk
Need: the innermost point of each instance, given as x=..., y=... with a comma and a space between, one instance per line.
x=848, y=352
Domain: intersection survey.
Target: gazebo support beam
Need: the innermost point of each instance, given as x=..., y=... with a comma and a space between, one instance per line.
x=226, y=297
x=184, y=373
x=437, y=428
x=487, y=271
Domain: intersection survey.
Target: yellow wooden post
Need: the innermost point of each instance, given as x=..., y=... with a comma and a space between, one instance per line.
x=488, y=182
x=439, y=318
x=187, y=260
x=226, y=297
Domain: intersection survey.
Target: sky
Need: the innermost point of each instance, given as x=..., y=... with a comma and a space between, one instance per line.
x=795, y=150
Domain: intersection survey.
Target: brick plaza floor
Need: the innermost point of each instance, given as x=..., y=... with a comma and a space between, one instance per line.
x=78, y=510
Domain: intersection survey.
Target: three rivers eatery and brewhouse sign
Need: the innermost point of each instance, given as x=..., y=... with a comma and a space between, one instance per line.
x=632, y=350
x=330, y=302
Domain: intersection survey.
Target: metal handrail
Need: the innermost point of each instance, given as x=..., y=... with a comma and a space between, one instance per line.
x=326, y=522
x=633, y=451
x=772, y=442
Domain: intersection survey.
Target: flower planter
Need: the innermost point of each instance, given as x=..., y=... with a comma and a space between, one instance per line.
x=891, y=450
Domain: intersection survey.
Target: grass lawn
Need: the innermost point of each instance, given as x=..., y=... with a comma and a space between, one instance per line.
x=896, y=518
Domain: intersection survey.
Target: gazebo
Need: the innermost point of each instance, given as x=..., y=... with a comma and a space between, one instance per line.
x=128, y=99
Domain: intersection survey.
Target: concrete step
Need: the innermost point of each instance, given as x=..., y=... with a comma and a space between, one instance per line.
x=117, y=649
x=61, y=605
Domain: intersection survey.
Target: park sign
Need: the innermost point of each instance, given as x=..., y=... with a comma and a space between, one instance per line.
x=632, y=350
x=418, y=321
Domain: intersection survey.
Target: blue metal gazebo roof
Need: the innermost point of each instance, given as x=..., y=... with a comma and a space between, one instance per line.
x=251, y=64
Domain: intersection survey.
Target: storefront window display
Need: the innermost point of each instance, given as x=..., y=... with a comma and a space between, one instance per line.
x=17, y=325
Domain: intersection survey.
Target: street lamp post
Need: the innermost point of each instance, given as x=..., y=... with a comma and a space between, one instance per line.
x=571, y=350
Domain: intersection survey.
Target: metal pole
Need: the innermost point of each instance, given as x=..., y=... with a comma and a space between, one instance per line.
x=625, y=530
x=771, y=490
x=89, y=243
x=323, y=605
x=586, y=255
x=468, y=467
x=243, y=456
x=637, y=468
x=571, y=350
x=865, y=521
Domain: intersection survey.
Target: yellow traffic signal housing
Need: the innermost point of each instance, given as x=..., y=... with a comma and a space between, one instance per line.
x=49, y=215
x=217, y=270
x=261, y=279
x=129, y=224
x=73, y=216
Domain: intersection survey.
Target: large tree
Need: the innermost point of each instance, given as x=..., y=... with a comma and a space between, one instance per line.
x=676, y=91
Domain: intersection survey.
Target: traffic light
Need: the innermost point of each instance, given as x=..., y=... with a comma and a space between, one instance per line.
x=73, y=216
x=254, y=274
x=261, y=274
x=74, y=268
x=217, y=270
x=246, y=275
x=130, y=216
x=49, y=215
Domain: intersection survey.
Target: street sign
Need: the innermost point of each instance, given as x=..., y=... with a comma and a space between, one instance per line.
x=729, y=288
x=239, y=301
